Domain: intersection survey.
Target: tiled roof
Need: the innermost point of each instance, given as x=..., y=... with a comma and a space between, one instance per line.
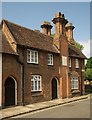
x=33, y=39
x=4, y=45
x=75, y=52
x=30, y=38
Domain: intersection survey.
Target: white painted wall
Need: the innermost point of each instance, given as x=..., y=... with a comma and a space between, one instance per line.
x=0, y=80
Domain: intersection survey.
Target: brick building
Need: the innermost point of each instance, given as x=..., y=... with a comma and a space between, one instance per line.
x=37, y=67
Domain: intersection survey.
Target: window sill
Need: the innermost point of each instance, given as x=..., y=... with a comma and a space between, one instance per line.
x=32, y=63
x=64, y=65
x=75, y=91
x=70, y=66
x=36, y=93
x=50, y=66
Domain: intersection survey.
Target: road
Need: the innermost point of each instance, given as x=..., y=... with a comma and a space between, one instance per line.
x=78, y=109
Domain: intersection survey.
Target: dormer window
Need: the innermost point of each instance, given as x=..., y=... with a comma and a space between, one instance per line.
x=50, y=59
x=76, y=63
x=32, y=56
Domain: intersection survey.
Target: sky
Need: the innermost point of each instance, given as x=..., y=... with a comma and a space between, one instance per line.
x=32, y=15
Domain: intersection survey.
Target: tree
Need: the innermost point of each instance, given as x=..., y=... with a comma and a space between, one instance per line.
x=88, y=68
x=89, y=63
x=88, y=74
x=79, y=46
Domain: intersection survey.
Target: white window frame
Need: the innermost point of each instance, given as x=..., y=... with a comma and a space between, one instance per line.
x=70, y=65
x=74, y=83
x=36, y=83
x=76, y=63
x=32, y=56
x=64, y=60
x=50, y=59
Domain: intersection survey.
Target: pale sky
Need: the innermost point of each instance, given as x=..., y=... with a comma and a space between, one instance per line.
x=32, y=15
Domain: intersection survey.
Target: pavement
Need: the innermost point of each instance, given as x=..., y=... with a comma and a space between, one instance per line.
x=19, y=110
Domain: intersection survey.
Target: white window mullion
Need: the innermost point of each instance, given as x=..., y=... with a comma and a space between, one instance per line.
x=28, y=56
x=69, y=62
x=40, y=85
x=50, y=59
x=64, y=60
x=74, y=82
x=76, y=63
x=32, y=56
x=36, y=83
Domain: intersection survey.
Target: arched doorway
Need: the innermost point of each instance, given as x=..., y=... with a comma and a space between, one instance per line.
x=54, y=88
x=10, y=93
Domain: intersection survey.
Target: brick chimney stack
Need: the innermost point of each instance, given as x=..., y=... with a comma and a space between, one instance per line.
x=46, y=28
x=60, y=23
x=69, y=32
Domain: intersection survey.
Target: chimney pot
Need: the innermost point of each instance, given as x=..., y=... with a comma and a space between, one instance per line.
x=69, y=32
x=46, y=28
x=60, y=23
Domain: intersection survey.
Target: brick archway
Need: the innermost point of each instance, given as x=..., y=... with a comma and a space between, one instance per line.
x=10, y=91
x=54, y=85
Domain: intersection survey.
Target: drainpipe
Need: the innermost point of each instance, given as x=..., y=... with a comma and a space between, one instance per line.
x=23, y=85
x=22, y=77
x=81, y=80
x=0, y=81
x=23, y=88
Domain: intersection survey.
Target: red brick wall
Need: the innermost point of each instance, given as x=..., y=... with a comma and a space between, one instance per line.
x=47, y=73
x=80, y=73
x=11, y=68
x=64, y=69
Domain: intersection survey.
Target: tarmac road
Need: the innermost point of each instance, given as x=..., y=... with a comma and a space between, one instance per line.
x=78, y=109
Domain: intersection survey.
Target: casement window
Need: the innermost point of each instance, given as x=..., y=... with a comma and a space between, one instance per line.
x=50, y=59
x=64, y=61
x=69, y=62
x=32, y=56
x=76, y=63
x=74, y=82
x=36, y=83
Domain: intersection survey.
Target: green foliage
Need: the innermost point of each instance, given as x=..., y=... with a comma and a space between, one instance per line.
x=88, y=74
x=52, y=35
x=89, y=63
x=88, y=68
x=79, y=46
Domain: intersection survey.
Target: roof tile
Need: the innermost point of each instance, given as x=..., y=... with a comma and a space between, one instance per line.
x=30, y=38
